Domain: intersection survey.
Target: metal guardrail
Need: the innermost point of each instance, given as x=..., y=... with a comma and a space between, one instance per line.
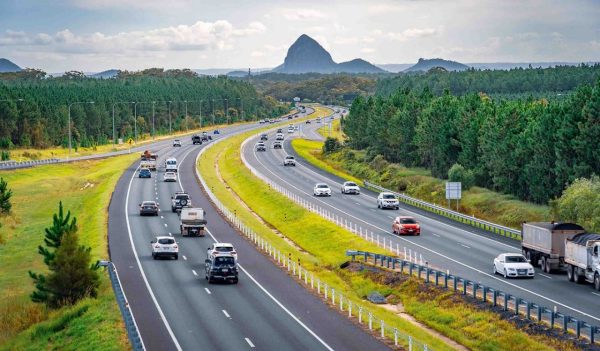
x=285, y=260
x=132, y=330
x=26, y=164
x=508, y=302
x=442, y=211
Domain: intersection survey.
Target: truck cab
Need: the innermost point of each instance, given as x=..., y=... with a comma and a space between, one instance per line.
x=582, y=255
x=192, y=222
x=171, y=165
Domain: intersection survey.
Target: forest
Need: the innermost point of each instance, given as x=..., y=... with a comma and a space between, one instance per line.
x=531, y=148
x=34, y=109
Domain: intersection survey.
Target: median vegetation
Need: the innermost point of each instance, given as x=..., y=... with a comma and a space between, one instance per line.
x=320, y=246
x=90, y=323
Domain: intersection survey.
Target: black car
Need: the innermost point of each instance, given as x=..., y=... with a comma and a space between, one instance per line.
x=308, y=121
x=206, y=137
x=279, y=130
x=264, y=137
x=148, y=208
x=216, y=131
x=221, y=267
x=145, y=173
x=196, y=139
x=277, y=145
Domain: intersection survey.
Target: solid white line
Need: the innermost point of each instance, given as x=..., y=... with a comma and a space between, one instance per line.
x=436, y=235
x=545, y=276
x=193, y=271
x=137, y=259
x=249, y=342
x=595, y=293
x=428, y=249
x=226, y=314
x=207, y=291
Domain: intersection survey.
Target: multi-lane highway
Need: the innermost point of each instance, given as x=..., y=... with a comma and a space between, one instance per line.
x=444, y=244
x=174, y=305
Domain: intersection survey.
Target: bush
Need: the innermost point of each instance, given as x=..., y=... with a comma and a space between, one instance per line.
x=331, y=145
x=378, y=163
x=5, y=195
x=5, y=155
x=580, y=203
x=458, y=173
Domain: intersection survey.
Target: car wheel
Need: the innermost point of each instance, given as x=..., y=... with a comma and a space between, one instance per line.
x=235, y=281
x=397, y=207
x=176, y=256
x=545, y=265
x=505, y=274
x=597, y=281
x=378, y=205
x=570, y=273
x=153, y=256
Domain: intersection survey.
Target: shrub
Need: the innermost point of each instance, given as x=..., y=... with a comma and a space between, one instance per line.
x=5, y=155
x=5, y=195
x=458, y=173
x=331, y=145
x=580, y=203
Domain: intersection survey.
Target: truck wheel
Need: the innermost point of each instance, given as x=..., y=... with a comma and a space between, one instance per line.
x=546, y=265
x=571, y=273
x=597, y=281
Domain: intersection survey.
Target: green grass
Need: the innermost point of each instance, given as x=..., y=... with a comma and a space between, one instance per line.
x=85, y=188
x=336, y=130
x=320, y=245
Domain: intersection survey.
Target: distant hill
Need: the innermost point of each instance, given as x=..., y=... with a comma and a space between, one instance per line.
x=394, y=67
x=7, y=66
x=111, y=73
x=307, y=56
x=427, y=64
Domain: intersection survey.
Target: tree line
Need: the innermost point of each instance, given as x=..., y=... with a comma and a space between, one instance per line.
x=502, y=83
x=531, y=148
x=34, y=108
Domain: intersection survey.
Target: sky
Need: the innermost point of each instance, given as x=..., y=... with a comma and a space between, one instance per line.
x=96, y=35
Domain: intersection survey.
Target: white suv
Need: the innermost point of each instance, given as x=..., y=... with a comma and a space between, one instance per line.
x=387, y=200
x=350, y=188
x=322, y=189
x=164, y=246
x=289, y=161
x=279, y=136
x=221, y=248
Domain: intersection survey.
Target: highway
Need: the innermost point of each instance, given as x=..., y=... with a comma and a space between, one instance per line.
x=175, y=307
x=443, y=244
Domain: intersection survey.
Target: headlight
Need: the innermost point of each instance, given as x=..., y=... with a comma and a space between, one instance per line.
x=511, y=269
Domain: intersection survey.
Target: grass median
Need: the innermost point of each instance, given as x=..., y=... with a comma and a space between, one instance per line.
x=85, y=188
x=320, y=245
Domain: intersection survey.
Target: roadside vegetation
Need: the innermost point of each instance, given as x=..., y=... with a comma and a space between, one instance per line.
x=320, y=246
x=85, y=187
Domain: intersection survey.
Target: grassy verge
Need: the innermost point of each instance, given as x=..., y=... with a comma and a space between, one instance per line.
x=418, y=183
x=320, y=246
x=85, y=188
x=336, y=130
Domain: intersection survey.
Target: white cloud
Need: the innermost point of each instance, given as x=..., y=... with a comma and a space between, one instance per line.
x=382, y=9
x=302, y=14
x=353, y=40
x=412, y=33
x=257, y=54
x=128, y=4
x=367, y=50
x=199, y=36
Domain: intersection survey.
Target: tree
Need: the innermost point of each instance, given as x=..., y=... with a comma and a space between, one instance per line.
x=580, y=203
x=5, y=195
x=458, y=173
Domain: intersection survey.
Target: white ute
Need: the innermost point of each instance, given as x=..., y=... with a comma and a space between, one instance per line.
x=164, y=246
x=192, y=222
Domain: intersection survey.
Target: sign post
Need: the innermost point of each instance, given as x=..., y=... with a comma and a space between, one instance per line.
x=453, y=192
x=130, y=142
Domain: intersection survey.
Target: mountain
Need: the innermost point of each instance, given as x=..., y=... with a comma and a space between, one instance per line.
x=7, y=66
x=306, y=56
x=111, y=73
x=427, y=64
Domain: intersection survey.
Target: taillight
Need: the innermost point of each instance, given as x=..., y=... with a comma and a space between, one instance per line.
x=157, y=246
x=174, y=246
x=233, y=253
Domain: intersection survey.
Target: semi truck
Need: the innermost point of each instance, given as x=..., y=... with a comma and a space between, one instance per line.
x=192, y=222
x=582, y=256
x=544, y=243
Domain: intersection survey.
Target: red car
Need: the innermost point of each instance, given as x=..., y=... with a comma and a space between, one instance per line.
x=404, y=225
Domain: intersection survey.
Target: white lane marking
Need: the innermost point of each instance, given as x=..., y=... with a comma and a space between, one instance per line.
x=207, y=291
x=184, y=258
x=170, y=234
x=545, y=276
x=165, y=225
x=357, y=203
x=162, y=217
x=249, y=342
x=157, y=198
x=431, y=250
x=226, y=314
x=595, y=293
x=436, y=235
x=193, y=271
x=137, y=259
x=463, y=245
x=390, y=217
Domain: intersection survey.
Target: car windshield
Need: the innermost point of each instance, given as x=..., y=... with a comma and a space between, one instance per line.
x=171, y=162
x=350, y=184
x=322, y=186
x=166, y=241
x=148, y=203
x=224, y=248
x=290, y=157
x=145, y=171
x=407, y=221
x=223, y=261
x=182, y=197
x=515, y=259
x=388, y=196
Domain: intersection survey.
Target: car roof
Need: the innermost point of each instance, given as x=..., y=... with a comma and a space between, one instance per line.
x=222, y=244
x=321, y=184
x=164, y=237
x=149, y=201
x=406, y=217
x=386, y=193
x=289, y=156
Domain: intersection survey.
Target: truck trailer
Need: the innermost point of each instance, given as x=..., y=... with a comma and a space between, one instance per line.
x=582, y=256
x=544, y=243
x=192, y=222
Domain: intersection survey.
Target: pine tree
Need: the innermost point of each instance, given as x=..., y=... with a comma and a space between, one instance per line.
x=5, y=195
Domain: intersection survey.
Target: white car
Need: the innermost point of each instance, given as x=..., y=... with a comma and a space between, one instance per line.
x=350, y=188
x=176, y=142
x=221, y=248
x=171, y=164
x=170, y=177
x=279, y=136
x=321, y=189
x=290, y=129
x=387, y=200
x=513, y=265
x=260, y=146
x=164, y=246
x=289, y=161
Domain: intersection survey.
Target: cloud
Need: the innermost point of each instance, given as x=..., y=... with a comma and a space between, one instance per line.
x=257, y=54
x=412, y=33
x=367, y=50
x=128, y=4
x=199, y=36
x=302, y=14
x=354, y=40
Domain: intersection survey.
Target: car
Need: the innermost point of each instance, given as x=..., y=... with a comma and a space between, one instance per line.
x=176, y=143
x=290, y=129
x=171, y=164
x=321, y=189
x=387, y=200
x=264, y=137
x=513, y=265
x=289, y=161
x=406, y=225
x=148, y=208
x=216, y=131
x=279, y=131
x=196, y=139
x=221, y=267
x=145, y=173
x=205, y=136
x=350, y=188
x=180, y=200
x=164, y=246
x=262, y=121
x=277, y=145
x=290, y=117
x=279, y=136
x=221, y=248
x=297, y=127
x=170, y=177
x=296, y=116
x=260, y=146
x=307, y=121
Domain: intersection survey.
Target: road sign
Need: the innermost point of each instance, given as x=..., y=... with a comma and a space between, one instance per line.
x=130, y=141
x=453, y=190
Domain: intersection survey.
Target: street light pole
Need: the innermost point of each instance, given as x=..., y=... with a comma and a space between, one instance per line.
x=226, y=110
x=201, y=113
x=113, y=119
x=153, y=131
x=185, y=118
x=135, y=121
x=69, y=109
x=213, y=111
x=169, y=103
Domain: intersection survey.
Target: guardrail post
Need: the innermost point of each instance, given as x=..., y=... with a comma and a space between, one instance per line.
x=455, y=282
x=552, y=313
x=495, y=297
x=593, y=334
x=394, y=264
x=409, y=343
x=410, y=269
x=370, y=320
x=341, y=302
x=395, y=337
x=539, y=313
x=485, y=290
x=349, y=308
x=333, y=296
x=506, y=298
x=565, y=323
x=325, y=287
x=312, y=281
x=528, y=310
x=446, y=280
x=578, y=328
x=382, y=329
x=465, y=283
x=517, y=303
